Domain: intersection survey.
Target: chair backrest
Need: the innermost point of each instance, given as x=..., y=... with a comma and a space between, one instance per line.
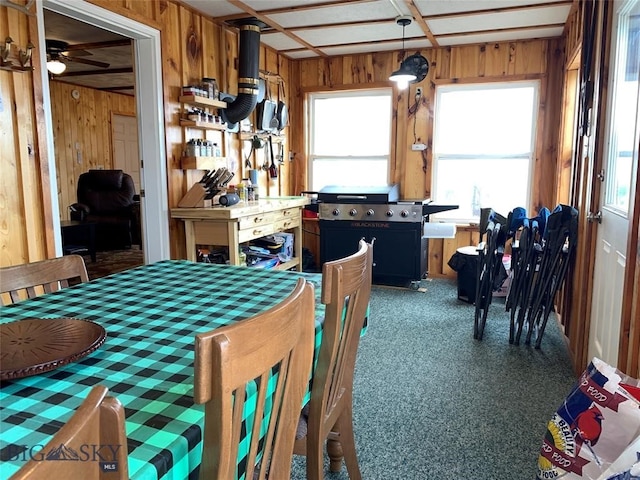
x=346, y=289
x=106, y=191
x=29, y=280
x=98, y=421
x=240, y=358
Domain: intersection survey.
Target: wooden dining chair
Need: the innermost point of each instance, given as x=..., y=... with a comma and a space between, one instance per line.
x=99, y=421
x=346, y=288
x=29, y=280
x=229, y=362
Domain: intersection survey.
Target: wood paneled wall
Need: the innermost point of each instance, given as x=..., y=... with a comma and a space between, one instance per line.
x=193, y=46
x=82, y=134
x=23, y=181
x=510, y=61
x=212, y=52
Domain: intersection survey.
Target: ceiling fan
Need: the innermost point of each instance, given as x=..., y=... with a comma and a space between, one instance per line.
x=58, y=55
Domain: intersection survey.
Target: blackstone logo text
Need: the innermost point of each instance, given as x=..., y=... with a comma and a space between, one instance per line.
x=105, y=455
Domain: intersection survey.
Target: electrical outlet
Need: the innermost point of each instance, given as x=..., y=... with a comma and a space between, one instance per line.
x=418, y=147
x=418, y=91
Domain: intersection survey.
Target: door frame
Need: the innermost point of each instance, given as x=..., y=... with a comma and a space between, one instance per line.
x=149, y=105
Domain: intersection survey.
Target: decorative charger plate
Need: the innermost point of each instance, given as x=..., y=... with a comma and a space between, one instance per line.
x=36, y=345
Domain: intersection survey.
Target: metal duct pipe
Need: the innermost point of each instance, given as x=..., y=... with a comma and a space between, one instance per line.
x=248, y=73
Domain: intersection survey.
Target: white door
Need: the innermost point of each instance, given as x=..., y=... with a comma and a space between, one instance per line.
x=620, y=161
x=126, y=152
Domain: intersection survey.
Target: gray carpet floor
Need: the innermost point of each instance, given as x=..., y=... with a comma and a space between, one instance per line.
x=430, y=402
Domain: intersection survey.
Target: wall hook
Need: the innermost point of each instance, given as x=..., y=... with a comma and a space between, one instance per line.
x=4, y=52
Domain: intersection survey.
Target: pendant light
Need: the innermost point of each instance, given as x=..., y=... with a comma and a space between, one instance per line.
x=404, y=74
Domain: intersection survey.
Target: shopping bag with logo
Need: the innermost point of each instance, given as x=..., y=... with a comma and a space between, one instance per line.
x=597, y=422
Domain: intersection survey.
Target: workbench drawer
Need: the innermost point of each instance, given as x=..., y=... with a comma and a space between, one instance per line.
x=287, y=223
x=258, y=220
x=287, y=213
x=257, y=231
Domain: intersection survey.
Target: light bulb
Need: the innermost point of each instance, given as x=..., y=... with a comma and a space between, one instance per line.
x=56, y=67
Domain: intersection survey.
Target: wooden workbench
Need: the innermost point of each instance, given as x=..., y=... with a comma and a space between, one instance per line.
x=231, y=226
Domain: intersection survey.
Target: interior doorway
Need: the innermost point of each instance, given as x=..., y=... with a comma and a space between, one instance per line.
x=149, y=101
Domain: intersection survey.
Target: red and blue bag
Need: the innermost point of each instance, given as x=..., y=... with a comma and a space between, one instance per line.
x=598, y=421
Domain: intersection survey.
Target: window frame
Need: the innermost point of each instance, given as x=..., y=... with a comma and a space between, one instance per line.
x=450, y=216
x=309, y=115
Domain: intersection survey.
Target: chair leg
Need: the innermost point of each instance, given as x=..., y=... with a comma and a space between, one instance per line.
x=315, y=458
x=348, y=443
x=334, y=450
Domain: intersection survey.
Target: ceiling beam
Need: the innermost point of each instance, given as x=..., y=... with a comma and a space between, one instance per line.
x=294, y=8
x=501, y=30
x=417, y=16
x=123, y=87
x=446, y=35
x=92, y=46
x=106, y=71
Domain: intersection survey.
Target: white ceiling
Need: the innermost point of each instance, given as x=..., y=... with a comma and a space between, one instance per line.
x=320, y=28
x=323, y=28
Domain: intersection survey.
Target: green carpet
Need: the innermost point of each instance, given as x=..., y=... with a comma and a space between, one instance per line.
x=430, y=402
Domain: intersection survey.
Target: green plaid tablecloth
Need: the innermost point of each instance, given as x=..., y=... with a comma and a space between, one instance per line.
x=151, y=315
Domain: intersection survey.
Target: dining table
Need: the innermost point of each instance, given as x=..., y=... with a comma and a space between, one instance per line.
x=151, y=315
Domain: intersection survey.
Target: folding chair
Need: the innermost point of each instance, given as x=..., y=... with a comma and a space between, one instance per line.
x=490, y=253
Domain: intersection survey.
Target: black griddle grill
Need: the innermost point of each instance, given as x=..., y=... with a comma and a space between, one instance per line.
x=348, y=214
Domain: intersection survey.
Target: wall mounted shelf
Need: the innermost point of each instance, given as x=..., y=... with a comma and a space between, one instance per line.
x=202, y=163
x=202, y=101
x=202, y=125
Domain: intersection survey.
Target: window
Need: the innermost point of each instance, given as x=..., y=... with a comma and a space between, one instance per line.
x=349, y=138
x=483, y=147
x=624, y=110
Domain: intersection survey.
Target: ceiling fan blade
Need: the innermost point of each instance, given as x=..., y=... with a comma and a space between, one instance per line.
x=97, y=45
x=86, y=61
x=77, y=53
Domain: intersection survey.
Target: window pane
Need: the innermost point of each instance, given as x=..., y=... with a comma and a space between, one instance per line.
x=356, y=125
x=349, y=138
x=348, y=172
x=495, y=121
x=488, y=183
x=624, y=112
x=483, y=147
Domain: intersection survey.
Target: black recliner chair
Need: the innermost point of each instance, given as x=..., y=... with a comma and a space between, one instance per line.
x=108, y=198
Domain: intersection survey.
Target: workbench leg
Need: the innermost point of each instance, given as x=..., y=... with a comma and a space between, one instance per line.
x=190, y=240
x=297, y=241
x=234, y=246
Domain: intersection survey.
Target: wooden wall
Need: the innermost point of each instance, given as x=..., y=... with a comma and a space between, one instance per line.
x=26, y=226
x=213, y=53
x=82, y=134
x=24, y=192
x=509, y=61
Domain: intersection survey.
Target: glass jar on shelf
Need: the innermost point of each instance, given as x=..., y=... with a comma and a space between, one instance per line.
x=191, y=150
x=210, y=85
